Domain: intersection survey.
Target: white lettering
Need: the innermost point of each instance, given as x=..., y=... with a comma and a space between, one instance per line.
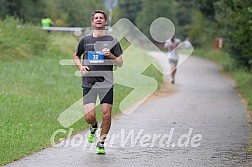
x=196, y=138
x=145, y=138
x=186, y=137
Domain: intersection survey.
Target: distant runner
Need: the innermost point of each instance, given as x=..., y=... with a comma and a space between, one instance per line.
x=173, y=56
x=46, y=22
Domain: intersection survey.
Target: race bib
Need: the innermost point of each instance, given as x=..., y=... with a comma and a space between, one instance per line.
x=95, y=56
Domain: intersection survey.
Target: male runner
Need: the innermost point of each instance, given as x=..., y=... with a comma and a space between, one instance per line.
x=100, y=52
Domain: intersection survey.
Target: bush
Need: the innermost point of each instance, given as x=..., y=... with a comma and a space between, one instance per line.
x=235, y=21
x=17, y=41
x=202, y=31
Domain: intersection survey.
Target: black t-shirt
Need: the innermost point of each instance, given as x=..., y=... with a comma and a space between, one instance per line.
x=91, y=47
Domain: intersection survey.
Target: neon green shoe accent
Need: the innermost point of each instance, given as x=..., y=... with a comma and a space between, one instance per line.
x=100, y=148
x=91, y=136
x=100, y=151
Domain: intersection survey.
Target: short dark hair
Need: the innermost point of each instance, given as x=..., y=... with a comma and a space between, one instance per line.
x=98, y=11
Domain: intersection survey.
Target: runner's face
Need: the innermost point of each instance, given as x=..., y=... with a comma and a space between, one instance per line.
x=99, y=21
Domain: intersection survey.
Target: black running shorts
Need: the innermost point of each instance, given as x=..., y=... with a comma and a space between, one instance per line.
x=105, y=95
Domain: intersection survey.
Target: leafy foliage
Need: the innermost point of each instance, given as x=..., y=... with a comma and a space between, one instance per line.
x=152, y=10
x=20, y=42
x=130, y=9
x=64, y=13
x=29, y=10
x=206, y=7
x=235, y=19
x=184, y=15
x=78, y=12
x=202, y=31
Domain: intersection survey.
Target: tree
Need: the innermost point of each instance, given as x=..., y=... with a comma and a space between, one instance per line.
x=235, y=20
x=66, y=13
x=206, y=7
x=151, y=10
x=203, y=27
x=184, y=14
x=27, y=10
x=78, y=12
x=129, y=9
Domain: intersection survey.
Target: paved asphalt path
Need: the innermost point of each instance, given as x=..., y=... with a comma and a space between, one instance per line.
x=199, y=121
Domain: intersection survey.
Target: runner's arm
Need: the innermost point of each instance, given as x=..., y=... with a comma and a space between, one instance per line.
x=77, y=61
x=118, y=61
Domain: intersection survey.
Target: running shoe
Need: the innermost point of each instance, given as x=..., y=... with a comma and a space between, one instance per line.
x=91, y=134
x=100, y=148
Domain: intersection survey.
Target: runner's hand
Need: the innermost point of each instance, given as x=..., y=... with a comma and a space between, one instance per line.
x=107, y=53
x=84, y=69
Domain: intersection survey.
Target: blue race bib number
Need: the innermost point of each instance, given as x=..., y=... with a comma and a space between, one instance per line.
x=95, y=56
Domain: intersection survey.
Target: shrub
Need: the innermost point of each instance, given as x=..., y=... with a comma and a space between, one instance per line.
x=17, y=41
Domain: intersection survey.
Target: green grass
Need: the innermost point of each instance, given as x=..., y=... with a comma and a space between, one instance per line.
x=244, y=82
x=33, y=93
x=242, y=77
x=35, y=90
x=217, y=56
